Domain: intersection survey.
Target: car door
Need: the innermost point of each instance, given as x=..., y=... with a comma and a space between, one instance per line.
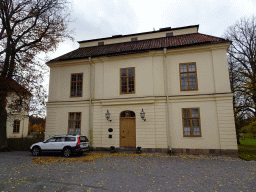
x=59, y=144
x=48, y=145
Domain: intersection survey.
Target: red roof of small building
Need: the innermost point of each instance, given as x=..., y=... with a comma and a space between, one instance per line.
x=131, y=47
x=9, y=85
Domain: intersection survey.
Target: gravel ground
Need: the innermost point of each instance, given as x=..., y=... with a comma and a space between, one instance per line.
x=18, y=172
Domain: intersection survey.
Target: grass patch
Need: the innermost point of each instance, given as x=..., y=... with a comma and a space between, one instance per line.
x=248, y=141
x=247, y=149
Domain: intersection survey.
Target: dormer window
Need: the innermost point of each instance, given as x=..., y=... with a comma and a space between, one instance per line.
x=169, y=34
x=101, y=43
x=134, y=39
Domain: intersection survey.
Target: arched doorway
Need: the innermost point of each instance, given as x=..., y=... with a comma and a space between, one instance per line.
x=127, y=129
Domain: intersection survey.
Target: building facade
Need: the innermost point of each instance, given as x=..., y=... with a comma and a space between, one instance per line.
x=176, y=76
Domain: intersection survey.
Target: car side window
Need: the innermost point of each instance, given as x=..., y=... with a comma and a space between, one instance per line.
x=70, y=139
x=60, y=139
x=51, y=140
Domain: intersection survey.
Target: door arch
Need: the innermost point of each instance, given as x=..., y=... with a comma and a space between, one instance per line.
x=127, y=129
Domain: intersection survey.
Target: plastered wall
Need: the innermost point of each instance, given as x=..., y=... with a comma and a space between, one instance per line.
x=216, y=114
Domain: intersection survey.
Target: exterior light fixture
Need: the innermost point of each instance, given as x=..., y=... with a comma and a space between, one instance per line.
x=107, y=115
x=142, y=115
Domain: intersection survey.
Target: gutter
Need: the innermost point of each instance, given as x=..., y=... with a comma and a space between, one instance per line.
x=167, y=102
x=90, y=105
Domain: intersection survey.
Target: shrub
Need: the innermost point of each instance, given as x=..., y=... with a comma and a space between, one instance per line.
x=22, y=144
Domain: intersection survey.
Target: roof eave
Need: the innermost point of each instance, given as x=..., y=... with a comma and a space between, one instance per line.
x=142, y=51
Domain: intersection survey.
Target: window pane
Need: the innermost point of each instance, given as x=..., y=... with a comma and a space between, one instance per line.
x=70, y=131
x=71, y=124
x=130, y=72
x=80, y=77
x=77, y=124
x=77, y=131
x=73, y=77
x=191, y=67
x=79, y=89
x=184, y=81
x=183, y=68
x=196, y=128
x=123, y=72
x=124, y=81
x=131, y=84
x=78, y=116
x=186, y=113
x=124, y=89
x=187, y=127
x=71, y=116
x=195, y=113
x=192, y=81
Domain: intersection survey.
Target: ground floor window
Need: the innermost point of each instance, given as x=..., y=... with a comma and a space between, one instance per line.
x=74, y=123
x=16, y=126
x=191, y=122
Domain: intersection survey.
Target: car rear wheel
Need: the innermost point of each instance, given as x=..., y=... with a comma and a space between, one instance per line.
x=36, y=151
x=67, y=152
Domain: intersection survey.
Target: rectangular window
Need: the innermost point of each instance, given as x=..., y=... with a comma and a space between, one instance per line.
x=74, y=123
x=169, y=34
x=16, y=126
x=134, y=39
x=191, y=122
x=188, y=77
x=76, y=85
x=127, y=80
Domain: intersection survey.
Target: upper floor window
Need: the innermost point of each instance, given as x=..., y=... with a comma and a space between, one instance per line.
x=76, y=85
x=134, y=39
x=16, y=126
x=74, y=123
x=191, y=122
x=188, y=77
x=127, y=80
x=169, y=34
x=101, y=43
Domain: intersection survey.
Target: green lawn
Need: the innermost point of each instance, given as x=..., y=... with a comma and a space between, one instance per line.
x=247, y=149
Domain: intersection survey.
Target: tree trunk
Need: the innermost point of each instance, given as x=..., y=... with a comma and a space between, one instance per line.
x=3, y=119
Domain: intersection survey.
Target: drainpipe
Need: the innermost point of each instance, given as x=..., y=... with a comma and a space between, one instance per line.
x=90, y=105
x=167, y=102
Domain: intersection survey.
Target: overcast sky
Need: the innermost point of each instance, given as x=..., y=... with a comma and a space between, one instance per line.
x=104, y=18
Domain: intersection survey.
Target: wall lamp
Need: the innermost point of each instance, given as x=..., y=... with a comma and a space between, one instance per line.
x=107, y=115
x=142, y=115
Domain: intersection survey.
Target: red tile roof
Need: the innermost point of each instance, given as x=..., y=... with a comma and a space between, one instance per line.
x=8, y=85
x=123, y=48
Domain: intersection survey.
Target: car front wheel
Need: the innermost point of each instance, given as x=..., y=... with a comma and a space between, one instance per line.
x=67, y=152
x=36, y=151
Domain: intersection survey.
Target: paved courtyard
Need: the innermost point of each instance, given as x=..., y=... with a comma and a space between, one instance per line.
x=20, y=171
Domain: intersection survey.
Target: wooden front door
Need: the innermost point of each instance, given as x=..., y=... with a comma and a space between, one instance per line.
x=127, y=130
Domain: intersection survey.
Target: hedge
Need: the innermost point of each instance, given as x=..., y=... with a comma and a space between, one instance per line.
x=22, y=144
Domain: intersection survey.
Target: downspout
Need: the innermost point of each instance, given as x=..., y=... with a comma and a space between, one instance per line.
x=167, y=102
x=90, y=104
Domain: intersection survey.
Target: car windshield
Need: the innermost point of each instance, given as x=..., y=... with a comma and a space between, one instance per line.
x=83, y=139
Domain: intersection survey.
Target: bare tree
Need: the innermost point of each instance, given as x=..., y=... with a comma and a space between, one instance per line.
x=27, y=28
x=242, y=68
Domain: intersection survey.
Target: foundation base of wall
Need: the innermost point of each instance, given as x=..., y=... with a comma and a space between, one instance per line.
x=177, y=151
x=210, y=152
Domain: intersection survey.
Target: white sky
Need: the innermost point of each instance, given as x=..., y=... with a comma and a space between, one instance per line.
x=104, y=18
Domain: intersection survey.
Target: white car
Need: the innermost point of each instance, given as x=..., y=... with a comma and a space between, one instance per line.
x=67, y=144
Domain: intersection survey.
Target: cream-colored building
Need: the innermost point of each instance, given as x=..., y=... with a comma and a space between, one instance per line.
x=17, y=114
x=176, y=76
